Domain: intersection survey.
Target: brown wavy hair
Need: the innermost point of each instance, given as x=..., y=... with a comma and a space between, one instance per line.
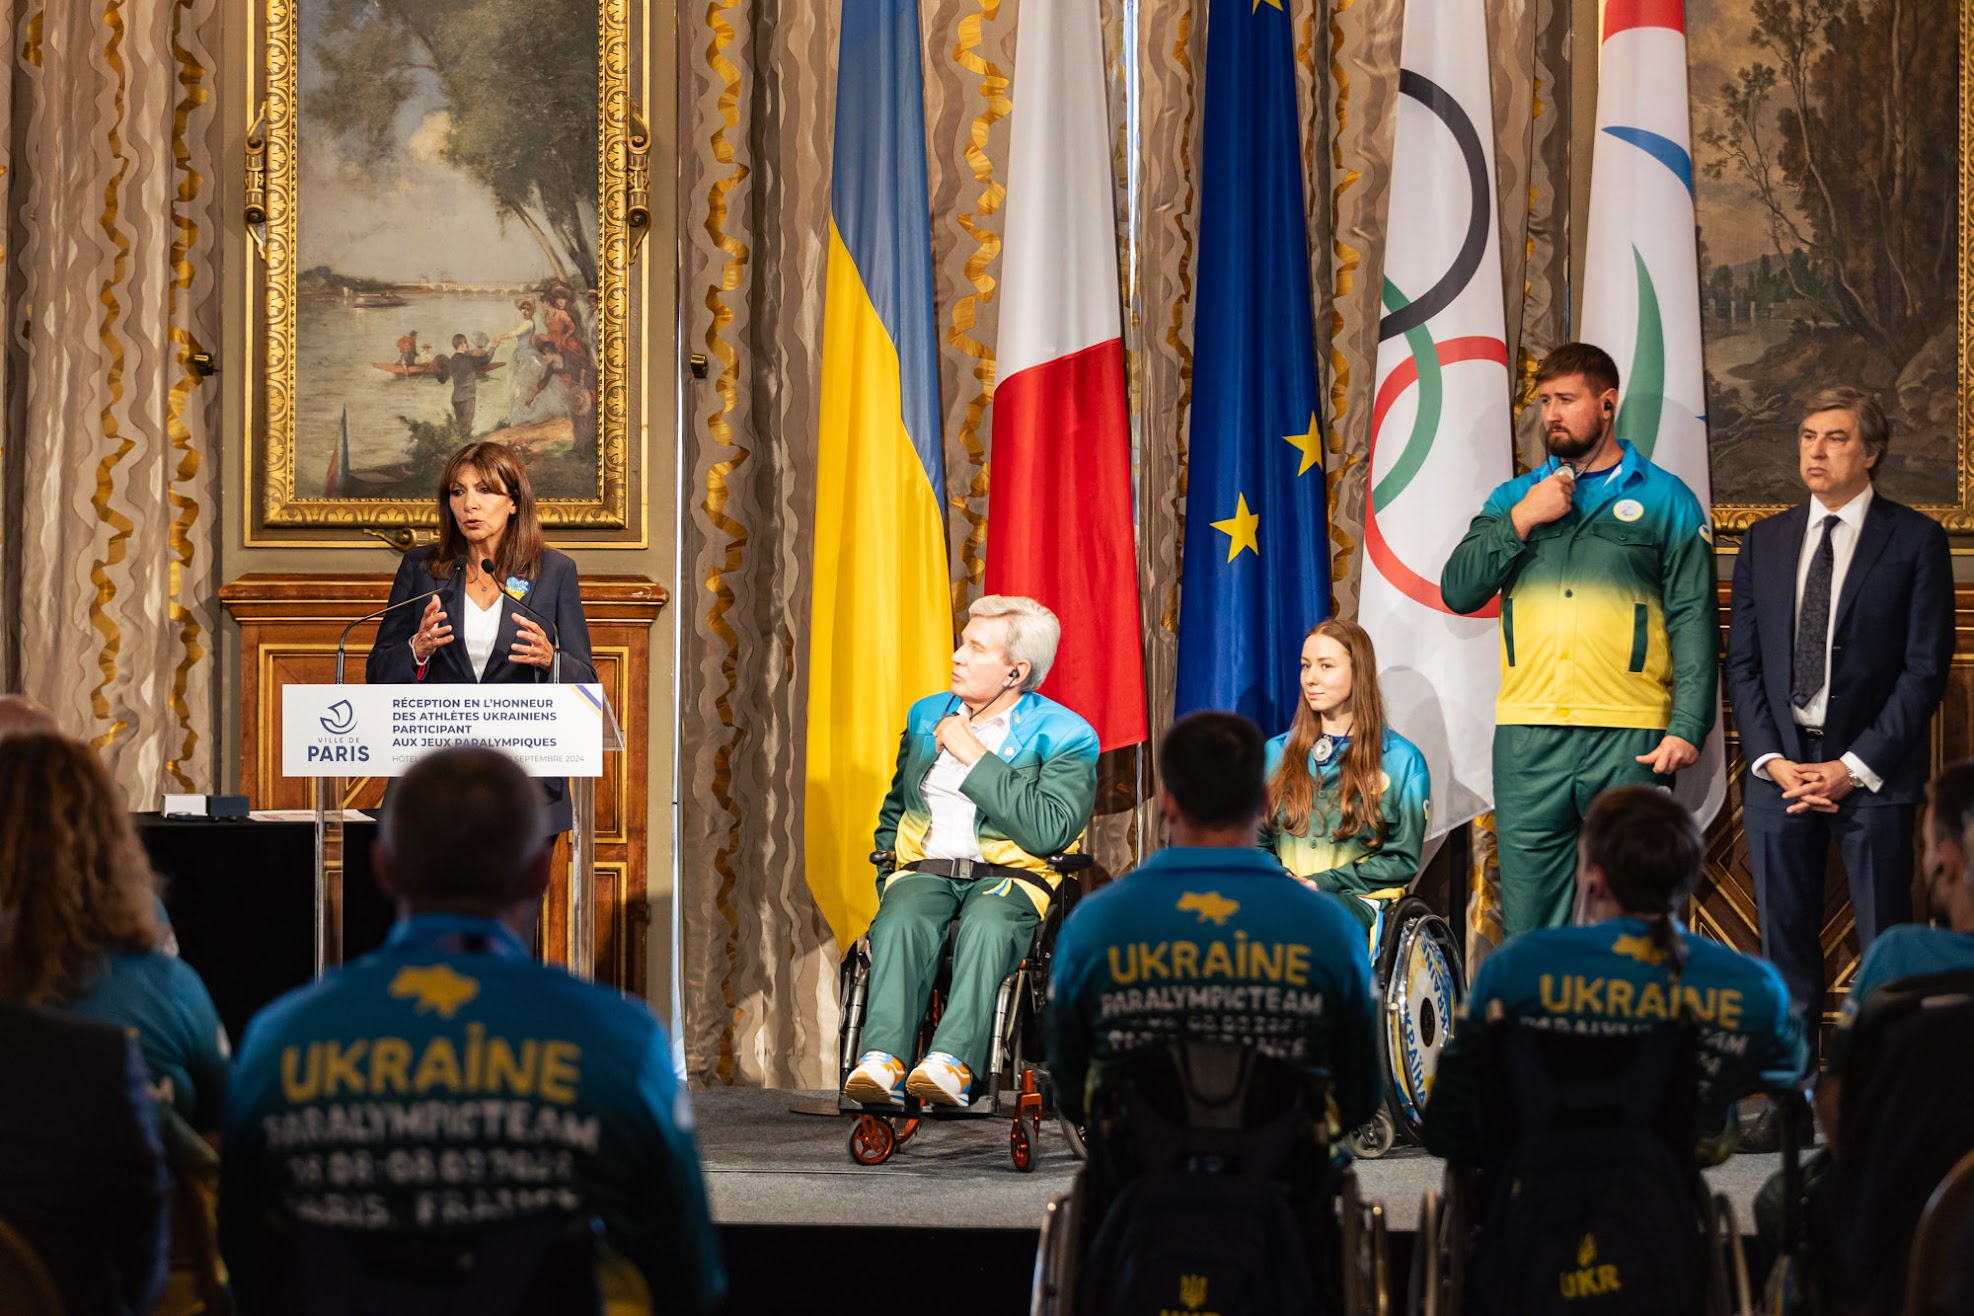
x=521, y=543
x=75, y=885
x=1360, y=776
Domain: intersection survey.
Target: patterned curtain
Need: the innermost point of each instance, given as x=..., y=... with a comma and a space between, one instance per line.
x=757, y=81
x=108, y=474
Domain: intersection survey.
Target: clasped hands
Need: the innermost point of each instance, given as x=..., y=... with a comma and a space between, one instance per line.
x=531, y=646
x=1811, y=787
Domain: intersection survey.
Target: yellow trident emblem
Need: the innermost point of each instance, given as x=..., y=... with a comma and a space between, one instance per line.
x=1192, y=1290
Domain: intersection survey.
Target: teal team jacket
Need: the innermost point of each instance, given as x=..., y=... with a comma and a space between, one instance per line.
x=1218, y=945
x=449, y=1080
x=1609, y=978
x=1034, y=796
x=1351, y=867
x=1608, y=615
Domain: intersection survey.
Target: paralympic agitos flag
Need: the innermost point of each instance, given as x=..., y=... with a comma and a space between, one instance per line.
x=881, y=629
x=1257, y=552
x=1441, y=438
x=1641, y=280
x=1059, y=501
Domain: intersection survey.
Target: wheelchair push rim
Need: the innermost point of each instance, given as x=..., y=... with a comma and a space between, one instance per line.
x=1423, y=989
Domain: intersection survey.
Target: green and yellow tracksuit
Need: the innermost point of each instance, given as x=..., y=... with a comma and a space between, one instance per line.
x=1608, y=643
x=1352, y=868
x=1033, y=798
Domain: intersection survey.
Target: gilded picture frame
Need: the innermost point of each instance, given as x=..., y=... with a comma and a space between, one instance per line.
x=397, y=139
x=1800, y=287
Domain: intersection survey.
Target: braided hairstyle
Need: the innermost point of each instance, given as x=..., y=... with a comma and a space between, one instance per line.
x=1651, y=852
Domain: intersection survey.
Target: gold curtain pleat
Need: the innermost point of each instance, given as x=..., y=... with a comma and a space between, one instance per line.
x=110, y=135
x=757, y=94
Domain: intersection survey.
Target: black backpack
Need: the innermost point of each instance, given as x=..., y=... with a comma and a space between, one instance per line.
x=1593, y=1206
x=1208, y=1187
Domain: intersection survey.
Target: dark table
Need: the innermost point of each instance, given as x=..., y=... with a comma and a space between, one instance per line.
x=241, y=895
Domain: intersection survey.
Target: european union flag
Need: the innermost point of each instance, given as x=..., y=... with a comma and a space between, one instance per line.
x=1257, y=568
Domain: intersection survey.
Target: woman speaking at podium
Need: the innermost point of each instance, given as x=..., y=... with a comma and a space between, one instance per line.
x=500, y=600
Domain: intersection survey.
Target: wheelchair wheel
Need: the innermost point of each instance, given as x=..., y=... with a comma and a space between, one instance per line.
x=1021, y=1142
x=1419, y=967
x=872, y=1140
x=1378, y=1135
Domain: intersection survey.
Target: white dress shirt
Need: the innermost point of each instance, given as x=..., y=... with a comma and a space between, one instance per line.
x=1843, y=546
x=951, y=835
x=482, y=630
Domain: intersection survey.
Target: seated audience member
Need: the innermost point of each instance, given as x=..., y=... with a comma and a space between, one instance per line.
x=1347, y=795
x=80, y=926
x=81, y=1175
x=472, y=1084
x=992, y=778
x=1638, y=859
x=1207, y=940
x=1865, y=1200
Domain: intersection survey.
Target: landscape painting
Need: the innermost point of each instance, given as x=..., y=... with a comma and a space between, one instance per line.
x=447, y=258
x=1827, y=177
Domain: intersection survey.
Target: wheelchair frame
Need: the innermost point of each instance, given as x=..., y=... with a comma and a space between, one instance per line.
x=880, y=1130
x=1437, y=1285
x=1363, y=1245
x=1400, y=1119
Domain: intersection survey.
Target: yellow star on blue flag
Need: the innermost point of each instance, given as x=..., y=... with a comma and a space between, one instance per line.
x=1240, y=530
x=1242, y=617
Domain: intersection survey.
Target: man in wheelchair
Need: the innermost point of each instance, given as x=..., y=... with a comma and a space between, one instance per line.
x=992, y=778
x=1213, y=1021
x=1210, y=940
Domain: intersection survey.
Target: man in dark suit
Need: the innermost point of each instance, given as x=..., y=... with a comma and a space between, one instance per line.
x=1837, y=651
x=82, y=1177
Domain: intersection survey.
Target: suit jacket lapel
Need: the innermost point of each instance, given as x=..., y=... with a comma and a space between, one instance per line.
x=455, y=603
x=1778, y=592
x=1019, y=720
x=509, y=632
x=1871, y=541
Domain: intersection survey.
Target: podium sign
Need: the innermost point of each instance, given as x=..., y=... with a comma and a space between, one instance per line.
x=381, y=730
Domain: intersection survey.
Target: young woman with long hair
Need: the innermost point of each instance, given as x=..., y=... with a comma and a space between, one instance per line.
x=79, y=928
x=1347, y=795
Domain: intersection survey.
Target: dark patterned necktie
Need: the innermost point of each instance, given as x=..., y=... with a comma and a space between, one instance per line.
x=1813, y=621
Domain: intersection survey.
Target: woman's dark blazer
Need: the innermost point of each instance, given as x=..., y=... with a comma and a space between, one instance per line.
x=554, y=592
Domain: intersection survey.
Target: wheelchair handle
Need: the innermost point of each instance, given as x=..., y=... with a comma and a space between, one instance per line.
x=1071, y=863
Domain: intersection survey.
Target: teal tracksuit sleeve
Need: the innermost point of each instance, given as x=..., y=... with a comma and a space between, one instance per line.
x=1692, y=627
x=1485, y=560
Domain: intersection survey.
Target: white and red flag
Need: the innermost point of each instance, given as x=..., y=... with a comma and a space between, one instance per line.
x=1641, y=276
x=1059, y=523
x=1441, y=438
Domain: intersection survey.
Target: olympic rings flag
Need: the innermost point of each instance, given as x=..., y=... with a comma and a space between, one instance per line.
x=1641, y=285
x=1441, y=436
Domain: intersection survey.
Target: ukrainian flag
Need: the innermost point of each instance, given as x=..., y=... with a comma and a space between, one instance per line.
x=881, y=632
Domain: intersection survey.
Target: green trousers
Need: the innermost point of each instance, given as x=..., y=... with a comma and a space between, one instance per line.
x=1544, y=780
x=997, y=921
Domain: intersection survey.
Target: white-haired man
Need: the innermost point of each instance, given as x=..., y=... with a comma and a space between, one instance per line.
x=992, y=779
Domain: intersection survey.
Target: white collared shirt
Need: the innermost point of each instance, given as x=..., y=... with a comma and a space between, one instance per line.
x=951, y=835
x=1843, y=546
x=482, y=632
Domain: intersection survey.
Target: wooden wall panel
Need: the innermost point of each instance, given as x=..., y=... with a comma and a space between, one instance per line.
x=288, y=629
x=1725, y=905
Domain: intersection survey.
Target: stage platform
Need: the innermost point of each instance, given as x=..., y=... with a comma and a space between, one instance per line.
x=767, y=1166
x=948, y=1208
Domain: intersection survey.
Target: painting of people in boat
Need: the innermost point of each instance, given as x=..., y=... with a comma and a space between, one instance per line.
x=446, y=250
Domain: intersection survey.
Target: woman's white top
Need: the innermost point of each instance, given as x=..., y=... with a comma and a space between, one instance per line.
x=482, y=632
